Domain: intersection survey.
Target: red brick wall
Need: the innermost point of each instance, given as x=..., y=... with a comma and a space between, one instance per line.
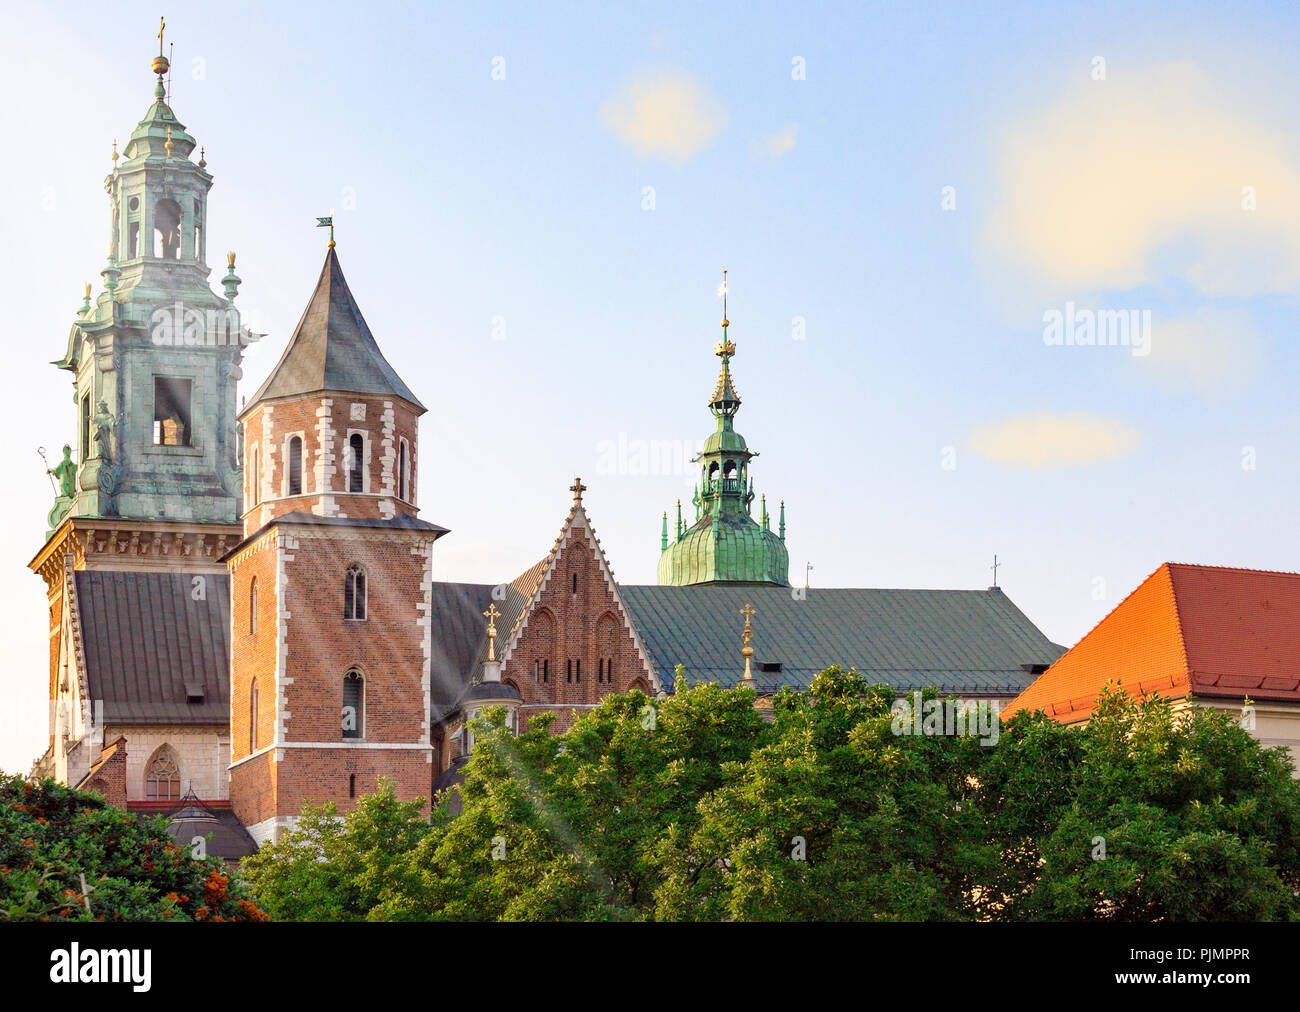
x=321, y=647
x=301, y=416
x=568, y=626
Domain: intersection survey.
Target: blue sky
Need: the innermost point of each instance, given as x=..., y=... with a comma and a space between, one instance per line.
x=497, y=236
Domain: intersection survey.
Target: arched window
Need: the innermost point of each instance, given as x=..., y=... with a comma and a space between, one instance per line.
x=162, y=781
x=252, y=717
x=295, y=466
x=167, y=229
x=354, y=593
x=252, y=606
x=353, y=705
x=403, y=472
x=356, y=461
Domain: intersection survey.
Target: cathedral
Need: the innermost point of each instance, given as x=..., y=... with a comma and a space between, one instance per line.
x=244, y=609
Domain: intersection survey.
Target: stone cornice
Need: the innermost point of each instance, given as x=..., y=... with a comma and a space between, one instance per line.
x=110, y=541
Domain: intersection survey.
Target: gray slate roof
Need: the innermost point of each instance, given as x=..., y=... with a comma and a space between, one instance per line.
x=145, y=636
x=332, y=349
x=960, y=641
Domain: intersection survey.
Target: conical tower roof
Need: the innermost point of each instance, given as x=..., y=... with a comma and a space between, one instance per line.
x=332, y=349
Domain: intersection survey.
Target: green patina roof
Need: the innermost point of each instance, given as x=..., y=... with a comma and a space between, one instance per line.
x=961, y=641
x=724, y=544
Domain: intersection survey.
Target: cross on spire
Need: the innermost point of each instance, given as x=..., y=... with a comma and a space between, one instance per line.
x=492, y=614
x=577, y=488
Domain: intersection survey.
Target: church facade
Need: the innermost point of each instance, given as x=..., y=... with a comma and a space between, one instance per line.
x=243, y=604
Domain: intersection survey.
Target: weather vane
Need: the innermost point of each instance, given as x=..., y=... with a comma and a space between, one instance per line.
x=327, y=223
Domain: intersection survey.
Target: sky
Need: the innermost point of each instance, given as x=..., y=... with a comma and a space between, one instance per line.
x=925, y=211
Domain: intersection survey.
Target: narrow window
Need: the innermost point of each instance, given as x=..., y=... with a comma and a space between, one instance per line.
x=295, y=466
x=356, y=448
x=546, y=671
x=609, y=671
x=352, y=785
x=85, y=427
x=252, y=606
x=403, y=474
x=575, y=583
x=568, y=670
x=171, y=411
x=577, y=671
x=254, y=476
x=252, y=717
x=133, y=247
x=352, y=705
x=354, y=593
x=537, y=671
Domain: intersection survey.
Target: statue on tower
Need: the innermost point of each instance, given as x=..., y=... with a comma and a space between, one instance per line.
x=103, y=426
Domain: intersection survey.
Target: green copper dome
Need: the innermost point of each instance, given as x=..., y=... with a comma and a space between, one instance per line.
x=724, y=544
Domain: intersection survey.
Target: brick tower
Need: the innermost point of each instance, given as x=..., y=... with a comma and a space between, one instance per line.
x=331, y=585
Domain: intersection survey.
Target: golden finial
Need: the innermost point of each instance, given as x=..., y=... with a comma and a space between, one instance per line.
x=577, y=488
x=230, y=260
x=492, y=615
x=168, y=143
x=203, y=158
x=722, y=290
x=747, y=651
x=87, y=289
x=114, y=154
x=160, y=63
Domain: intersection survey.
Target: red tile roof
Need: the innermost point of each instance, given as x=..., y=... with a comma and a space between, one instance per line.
x=1186, y=630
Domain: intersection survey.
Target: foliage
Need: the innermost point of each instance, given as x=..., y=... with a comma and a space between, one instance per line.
x=50, y=836
x=702, y=806
x=332, y=868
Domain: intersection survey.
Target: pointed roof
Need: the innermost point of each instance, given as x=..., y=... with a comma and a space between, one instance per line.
x=1185, y=630
x=577, y=534
x=332, y=349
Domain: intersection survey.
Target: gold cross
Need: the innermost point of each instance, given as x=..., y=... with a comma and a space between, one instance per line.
x=162, y=25
x=492, y=615
x=747, y=611
x=577, y=488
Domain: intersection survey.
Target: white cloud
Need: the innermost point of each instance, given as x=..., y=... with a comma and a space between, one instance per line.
x=1140, y=179
x=1041, y=441
x=777, y=145
x=666, y=113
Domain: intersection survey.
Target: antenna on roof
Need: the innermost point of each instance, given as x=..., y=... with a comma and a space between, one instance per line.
x=170, y=47
x=994, y=567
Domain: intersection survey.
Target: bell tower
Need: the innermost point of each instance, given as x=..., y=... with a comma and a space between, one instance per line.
x=150, y=484
x=155, y=356
x=724, y=544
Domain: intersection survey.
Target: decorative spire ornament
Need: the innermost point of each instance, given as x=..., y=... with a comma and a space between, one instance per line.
x=747, y=651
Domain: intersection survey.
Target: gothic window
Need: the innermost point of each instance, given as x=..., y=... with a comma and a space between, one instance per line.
x=403, y=472
x=568, y=670
x=354, y=593
x=295, y=466
x=252, y=606
x=171, y=411
x=252, y=717
x=577, y=671
x=575, y=583
x=353, y=705
x=356, y=462
x=546, y=671
x=162, y=782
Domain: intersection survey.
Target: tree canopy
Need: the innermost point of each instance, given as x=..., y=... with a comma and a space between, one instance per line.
x=700, y=806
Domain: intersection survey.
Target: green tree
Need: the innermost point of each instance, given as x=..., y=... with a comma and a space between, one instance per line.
x=332, y=868
x=1198, y=822
x=51, y=836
